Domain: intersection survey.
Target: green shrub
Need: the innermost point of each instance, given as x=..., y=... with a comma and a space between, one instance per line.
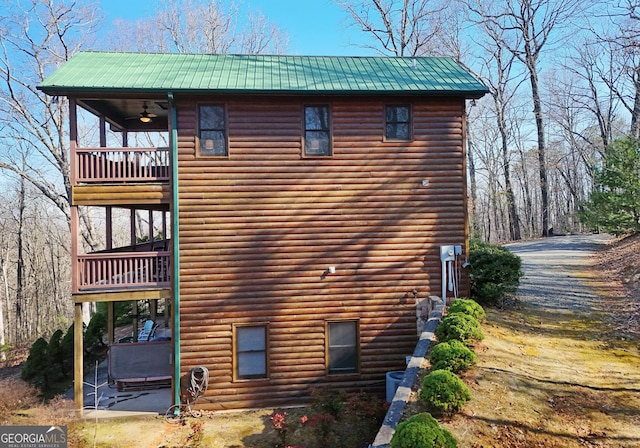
x=422, y=431
x=614, y=202
x=50, y=364
x=66, y=345
x=453, y=356
x=459, y=326
x=468, y=306
x=122, y=311
x=36, y=368
x=444, y=392
x=328, y=401
x=55, y=357
x=494, y=272
x=93, y=334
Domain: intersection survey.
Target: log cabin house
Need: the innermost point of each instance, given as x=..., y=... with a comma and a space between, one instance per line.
x=299, y=203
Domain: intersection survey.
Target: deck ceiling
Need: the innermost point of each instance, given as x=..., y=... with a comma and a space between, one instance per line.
x=124, y=113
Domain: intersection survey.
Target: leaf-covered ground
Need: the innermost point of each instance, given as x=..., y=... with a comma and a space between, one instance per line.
x=618, y=267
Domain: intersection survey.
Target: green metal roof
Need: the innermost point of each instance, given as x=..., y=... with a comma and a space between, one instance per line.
x=153, y=72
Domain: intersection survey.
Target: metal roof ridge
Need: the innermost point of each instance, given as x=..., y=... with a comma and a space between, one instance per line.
x=249, y=55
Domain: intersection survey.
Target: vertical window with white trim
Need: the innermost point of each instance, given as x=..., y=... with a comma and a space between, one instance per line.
x=250, y=352
x=342, y=347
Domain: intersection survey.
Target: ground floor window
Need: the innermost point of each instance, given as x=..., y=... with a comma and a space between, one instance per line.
x=342, y=347
x=250, y=352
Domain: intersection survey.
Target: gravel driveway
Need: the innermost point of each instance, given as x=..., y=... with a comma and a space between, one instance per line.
x=552, y=268
x=550, y=373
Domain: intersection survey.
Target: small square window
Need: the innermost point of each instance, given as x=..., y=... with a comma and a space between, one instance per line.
x=317, y=131
x=397, y=122
x=342, y=347
x=212, y=130
x=250, y=352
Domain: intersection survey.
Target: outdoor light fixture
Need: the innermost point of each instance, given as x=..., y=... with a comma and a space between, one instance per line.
x=145, y=116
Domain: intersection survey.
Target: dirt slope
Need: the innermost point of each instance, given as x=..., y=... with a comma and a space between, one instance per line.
x=618, y=268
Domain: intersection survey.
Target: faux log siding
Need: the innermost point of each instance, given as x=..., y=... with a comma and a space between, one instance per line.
x=258, y=231
x=150, y=194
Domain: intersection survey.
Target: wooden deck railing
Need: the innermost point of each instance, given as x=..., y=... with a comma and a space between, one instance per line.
x=100, y=271
x=100, y=165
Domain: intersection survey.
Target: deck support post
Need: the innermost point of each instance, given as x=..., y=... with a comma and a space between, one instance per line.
x=110, y=323
x=109, y=227
x=78, y=361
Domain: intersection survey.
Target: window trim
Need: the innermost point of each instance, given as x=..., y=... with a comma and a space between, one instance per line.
x=328, y=347
x=385, y=123
x=199, y=130
x=304, y=132
x=235, y=361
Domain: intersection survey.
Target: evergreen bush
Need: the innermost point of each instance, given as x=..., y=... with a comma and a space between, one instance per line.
x=494, y=272
x=93, y=334
x=614, y=202
x=422, y=431
x=443, y=392
x=66, y=346
x=55, y=357
x=453, y=356
x=468, y=306
x=36, y=369
x=459, y=326
x=122, y=311
x=49, y=366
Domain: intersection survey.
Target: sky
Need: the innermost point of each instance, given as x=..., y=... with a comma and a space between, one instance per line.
x=314, y=27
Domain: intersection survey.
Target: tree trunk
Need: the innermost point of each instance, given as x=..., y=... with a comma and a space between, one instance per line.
x=514, y=219
x=20, y=280
x=635, y=113
x=537, y=111
x=3, y=341
x=475, y=228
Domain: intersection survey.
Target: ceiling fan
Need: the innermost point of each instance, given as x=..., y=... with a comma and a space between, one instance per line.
x=145, y=116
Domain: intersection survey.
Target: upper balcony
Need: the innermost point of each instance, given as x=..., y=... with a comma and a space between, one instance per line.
x=116, y=176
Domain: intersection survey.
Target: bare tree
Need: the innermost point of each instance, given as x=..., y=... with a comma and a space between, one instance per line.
x=499, y=78
x=34, y=264
x=398, y=27
x=621, y=38
x=473, y=183
x=7, y=247
x=630, y=42
x=582, y=121
x=592, y=67
x=34, y=39
x=5, y=290
x=527, y=27
x=200, y=26
x=21, y=296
